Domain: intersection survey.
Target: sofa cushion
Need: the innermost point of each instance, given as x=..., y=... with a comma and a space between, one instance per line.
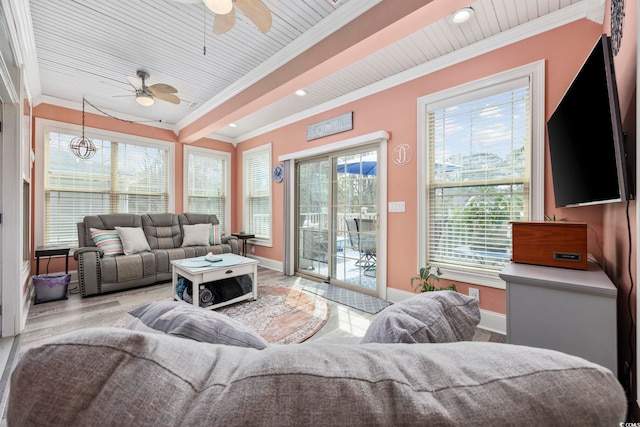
x=140, y=379
x=430, y=317
x=188, y=321
x=133, y=240
x=107, y=240
x=162, y=230
x=196, y=235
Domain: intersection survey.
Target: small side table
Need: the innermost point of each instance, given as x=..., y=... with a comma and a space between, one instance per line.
x=244, y=237
x=50, y=251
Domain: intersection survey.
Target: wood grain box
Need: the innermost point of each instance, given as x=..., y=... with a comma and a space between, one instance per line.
x=553, y=244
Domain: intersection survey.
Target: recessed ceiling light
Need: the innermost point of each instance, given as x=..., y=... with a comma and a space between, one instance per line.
x=462, y=15
x=301, y=92
x=233, y=125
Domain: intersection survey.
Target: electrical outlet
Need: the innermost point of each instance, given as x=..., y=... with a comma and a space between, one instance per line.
x=474, y=293
x=253, y=249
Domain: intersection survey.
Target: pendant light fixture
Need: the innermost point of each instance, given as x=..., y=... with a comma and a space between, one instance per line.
x=83, y=147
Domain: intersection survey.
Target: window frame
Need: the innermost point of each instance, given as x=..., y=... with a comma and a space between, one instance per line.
x=44, y=126
x=208, y=152
x=246, y=157
x=535, y=73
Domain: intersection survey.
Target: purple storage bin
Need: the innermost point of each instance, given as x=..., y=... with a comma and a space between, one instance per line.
x=51, y=287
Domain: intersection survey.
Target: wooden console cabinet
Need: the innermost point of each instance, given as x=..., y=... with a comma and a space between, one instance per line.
x=572, y=311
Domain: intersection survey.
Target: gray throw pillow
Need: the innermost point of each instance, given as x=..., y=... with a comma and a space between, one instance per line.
x=430, y=317
x=196, y=235
x=188, y=321
x=133, y=240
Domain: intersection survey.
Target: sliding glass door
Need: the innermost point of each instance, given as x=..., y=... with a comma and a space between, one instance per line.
x=337, y=229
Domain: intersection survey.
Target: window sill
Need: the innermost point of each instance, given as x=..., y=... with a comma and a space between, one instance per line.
x=264, y=243
x=472, y=276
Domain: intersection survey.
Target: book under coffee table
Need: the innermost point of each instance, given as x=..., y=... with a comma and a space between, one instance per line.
x=198, y=271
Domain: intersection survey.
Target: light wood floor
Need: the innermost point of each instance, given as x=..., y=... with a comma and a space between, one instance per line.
x=58, y=317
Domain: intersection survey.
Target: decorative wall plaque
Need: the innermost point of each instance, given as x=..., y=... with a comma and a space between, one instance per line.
x=402, y=154
x=331, y=126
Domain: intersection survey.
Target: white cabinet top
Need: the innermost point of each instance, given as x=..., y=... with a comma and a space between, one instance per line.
x=592, y=281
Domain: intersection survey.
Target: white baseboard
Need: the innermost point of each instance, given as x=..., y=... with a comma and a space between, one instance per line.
x=267, y=263
x=492, y=321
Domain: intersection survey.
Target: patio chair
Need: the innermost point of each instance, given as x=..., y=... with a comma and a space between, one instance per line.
x=365, y=245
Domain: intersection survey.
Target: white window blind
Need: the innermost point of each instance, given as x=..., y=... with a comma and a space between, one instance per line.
x=258, y=193
x=207, y=183
x=479, y=148
x=120, y=178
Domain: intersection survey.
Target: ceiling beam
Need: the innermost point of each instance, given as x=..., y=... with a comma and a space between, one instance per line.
x=382, y=25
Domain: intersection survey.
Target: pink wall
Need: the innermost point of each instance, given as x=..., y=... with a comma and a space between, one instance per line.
x=395, y=110
x=66, y=115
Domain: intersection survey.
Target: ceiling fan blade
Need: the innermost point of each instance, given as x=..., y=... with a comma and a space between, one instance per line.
x=161, y=88
x=257, y=12
x=224, y=23
x=167, y=97
x=135, y=82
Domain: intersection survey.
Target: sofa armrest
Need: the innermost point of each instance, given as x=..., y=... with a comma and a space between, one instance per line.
x=80, y=251
x=233, y=242
x=89, y=270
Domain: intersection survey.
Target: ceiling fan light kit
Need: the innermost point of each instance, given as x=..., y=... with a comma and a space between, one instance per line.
x=144, y=99
x=255, y=10
x=146, y=95
x=219, y=7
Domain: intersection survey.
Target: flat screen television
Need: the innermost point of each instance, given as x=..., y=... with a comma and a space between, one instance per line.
x=586, y=140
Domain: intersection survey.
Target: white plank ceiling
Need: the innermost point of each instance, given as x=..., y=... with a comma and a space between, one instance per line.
x=88, y=48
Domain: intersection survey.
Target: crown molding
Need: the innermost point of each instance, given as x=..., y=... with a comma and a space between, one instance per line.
x=23, y=40
x=529, y=29
x=338, y=19
x=596, y=10
x=222, y=138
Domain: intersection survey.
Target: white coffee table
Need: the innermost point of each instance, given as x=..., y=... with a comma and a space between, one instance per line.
x=198, y=271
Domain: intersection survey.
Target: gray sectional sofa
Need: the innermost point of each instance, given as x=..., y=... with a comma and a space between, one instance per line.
x=100, y=270
x=183, y=365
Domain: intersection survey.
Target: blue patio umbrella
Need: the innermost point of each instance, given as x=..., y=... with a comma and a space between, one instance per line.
x=361, y=168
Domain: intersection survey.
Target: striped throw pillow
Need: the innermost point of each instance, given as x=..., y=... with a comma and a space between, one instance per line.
x=215, y=238
x=107, y=240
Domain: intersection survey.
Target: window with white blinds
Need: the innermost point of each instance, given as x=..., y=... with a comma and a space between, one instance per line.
x=478, y=163
x=120, y=178
x=208, y=183
x=257, y=192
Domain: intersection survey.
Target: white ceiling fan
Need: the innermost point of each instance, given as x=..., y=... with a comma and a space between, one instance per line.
x=255, y=10
x=146, y=95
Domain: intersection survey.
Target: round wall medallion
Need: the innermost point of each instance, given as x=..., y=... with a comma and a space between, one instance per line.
x=278, y=173
x=402, y=154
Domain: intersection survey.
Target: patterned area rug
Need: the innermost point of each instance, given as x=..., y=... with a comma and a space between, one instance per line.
x=281, y=314
x=353, y=299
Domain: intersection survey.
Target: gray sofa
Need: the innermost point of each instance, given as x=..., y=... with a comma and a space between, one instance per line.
x=164, y=233
x=119, y=377
x=413, y=367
